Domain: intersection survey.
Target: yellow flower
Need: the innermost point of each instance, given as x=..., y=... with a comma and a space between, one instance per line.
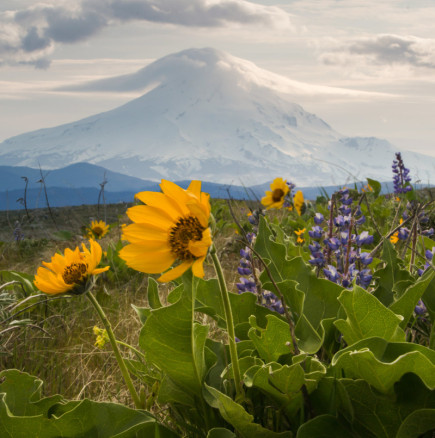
x=69, y=271
x=98, y=229
x=172, y=226
x=275, y=197
x=298, y=201
x=395, y=237
x=102, y=337
x=299, y=233
x=367, y=188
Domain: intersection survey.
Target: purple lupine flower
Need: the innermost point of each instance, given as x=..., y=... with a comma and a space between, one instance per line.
x=365, y=258
x=333, y=243
x=403, y=233
x=316, y=232
x=245, y=253
x=364, y=238
x=339, y=221
x=420, y=308
x=428, y=232
x=364, y=278
x=429, y=254
x=271, y=301
x=331, y=273
x=318, y=218
x=344, y=236
x=401, y=178
x=345, y=210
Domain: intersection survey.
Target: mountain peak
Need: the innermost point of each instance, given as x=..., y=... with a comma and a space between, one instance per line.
x=207, y=115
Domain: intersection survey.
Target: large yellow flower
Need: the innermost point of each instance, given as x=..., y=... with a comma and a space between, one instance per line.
x=298, y=201
x=276, y=196
x=172, y=226
x=98, y=229
x=70, y=270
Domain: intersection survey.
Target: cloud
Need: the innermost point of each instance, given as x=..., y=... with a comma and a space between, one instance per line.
x=30, y=35
x=383, y=50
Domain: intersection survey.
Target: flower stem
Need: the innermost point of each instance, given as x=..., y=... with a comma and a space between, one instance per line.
x=115, y=348
x=230, y=324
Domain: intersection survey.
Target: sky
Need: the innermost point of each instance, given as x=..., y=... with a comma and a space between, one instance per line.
x=384, y=51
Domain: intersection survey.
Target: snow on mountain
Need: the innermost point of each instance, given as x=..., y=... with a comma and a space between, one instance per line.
x=208, y=115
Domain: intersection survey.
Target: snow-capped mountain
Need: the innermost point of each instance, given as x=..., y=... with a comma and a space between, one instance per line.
x=208, y=115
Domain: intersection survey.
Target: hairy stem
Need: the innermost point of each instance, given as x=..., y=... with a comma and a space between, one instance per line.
x=230, y=324
x=115, y=348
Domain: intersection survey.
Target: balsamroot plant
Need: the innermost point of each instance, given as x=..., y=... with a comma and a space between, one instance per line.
x=327, y=329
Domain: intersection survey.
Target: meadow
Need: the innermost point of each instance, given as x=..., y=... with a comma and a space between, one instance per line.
x=291, y=318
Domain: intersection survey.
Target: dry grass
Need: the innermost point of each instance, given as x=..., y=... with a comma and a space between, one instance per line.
x=59, y=347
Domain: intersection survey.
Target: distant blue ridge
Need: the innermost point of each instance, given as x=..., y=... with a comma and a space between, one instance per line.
x=79, y=184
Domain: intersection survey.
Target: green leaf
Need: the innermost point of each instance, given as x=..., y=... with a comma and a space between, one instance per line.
x=142, y=312
x=273, y=341
x=153, y=294
x=324, y=426
x=24, y=414
x=280, y=383
x=243, y=305
x=405, y=305
x=375, y=185
x=174, y=342
x=389, y=275
x=26, y=281
x=417, y=423
x=220, y=432
x=236, y=415
x=312, y=302
x=367, y=317
x=381, y=415
x=382, y=363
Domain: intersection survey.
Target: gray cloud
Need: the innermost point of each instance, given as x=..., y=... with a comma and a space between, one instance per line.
x=384, y=50
x=30, y=35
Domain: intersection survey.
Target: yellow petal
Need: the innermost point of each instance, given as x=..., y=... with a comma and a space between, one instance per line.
x=144, y=232
x=199, y=248
x=198, y=267
x=195, y=188
x=161, y=201
x=175, y=272
x=177, y=194
x=151, y=215
x=139, y=257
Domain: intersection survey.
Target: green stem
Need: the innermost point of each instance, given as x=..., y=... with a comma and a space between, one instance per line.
x=115, y=348
x=135, y=350
x=230, y=324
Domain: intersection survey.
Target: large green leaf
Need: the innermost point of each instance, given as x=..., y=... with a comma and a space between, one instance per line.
x=173, y=342
x=381, y=415
x=282, y=384
x=383, y=363
x=417, y=423
x=367, y=317
x=23, y=413
x=273, y=341
x=389, y=275
x=312, y=301
x=324, y=426
x=236, y=415
x=153, y=294
x=405, y=305
x=208, y=296
x=220, y=432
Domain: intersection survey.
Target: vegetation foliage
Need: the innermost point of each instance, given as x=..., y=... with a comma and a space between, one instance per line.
x=295, y=330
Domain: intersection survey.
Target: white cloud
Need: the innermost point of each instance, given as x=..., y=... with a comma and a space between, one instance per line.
x=29, y=36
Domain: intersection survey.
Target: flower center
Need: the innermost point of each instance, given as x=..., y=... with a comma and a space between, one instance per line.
x=277, y=195
x=74, y=273
x=185, y=230
x=97, y=231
